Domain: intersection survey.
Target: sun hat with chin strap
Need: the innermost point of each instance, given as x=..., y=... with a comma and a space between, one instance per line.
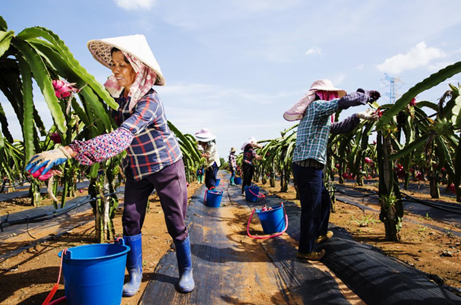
x=296, y=112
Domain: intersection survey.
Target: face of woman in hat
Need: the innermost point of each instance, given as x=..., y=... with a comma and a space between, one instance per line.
x=122, y=70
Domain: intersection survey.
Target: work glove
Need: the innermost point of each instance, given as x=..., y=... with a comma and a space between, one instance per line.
x=47, y=159
x=373, y=95
x=368, y=115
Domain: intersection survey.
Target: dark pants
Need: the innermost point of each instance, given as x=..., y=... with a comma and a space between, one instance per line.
x=211, y=174
x=315, y=205
x=170, y=184
x=248, y=172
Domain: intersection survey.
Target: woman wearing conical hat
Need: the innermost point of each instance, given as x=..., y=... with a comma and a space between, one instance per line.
x=154, y=159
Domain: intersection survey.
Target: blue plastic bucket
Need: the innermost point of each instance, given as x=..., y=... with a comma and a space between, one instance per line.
x=272, y=221
x=213, y=198
x=217, y=182
x=251, y=193
x=94, y=274
x=237, y=180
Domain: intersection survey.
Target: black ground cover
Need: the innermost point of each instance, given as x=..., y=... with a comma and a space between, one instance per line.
x=220, y=265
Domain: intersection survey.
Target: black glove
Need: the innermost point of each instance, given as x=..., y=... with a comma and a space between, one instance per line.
x=374, y=95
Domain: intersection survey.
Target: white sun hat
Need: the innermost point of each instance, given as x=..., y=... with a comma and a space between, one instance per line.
x=204, y=135
x=135, y=45
x=296, y=112
x=251, y=140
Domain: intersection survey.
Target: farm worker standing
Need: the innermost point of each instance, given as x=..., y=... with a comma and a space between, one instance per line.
x=314, y=110
x=207, y=141
x=249, y=153
x=232, y=165
x=200, y=173
x=154, y=159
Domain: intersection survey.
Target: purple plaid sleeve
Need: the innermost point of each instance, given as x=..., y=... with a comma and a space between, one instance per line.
x=102, y=147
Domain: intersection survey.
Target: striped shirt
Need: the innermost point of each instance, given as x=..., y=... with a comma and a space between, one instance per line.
x=143, y=132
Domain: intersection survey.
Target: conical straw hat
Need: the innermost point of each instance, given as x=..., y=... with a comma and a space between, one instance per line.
x=135, y=45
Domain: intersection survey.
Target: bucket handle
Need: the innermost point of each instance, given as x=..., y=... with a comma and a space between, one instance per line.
x=270, y=236
x=204, y=197
x=119, y=241
x=206, y=192
x=257, y=195
x=56, y=286
x=66, y=252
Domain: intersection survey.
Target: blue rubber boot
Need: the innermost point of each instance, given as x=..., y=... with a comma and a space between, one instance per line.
x=186, y=280
x=133, y=264
x=232, y=181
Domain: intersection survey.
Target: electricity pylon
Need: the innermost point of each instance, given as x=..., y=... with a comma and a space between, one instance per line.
x=393, y=86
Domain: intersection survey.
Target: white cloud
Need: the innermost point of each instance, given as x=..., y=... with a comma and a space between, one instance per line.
x=438, y=66
x=417, y=57
x=360, y=67
x=135, y=4
x=314, y=50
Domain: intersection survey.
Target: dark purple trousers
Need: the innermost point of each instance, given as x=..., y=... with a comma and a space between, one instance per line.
x=170, y=184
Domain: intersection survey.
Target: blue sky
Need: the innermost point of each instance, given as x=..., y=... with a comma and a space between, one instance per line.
x=235, y=66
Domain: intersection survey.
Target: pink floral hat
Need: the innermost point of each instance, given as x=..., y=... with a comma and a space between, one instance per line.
x=204, y=135
x=296, y=112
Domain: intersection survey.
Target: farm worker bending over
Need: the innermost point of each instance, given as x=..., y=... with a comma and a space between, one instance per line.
x=314, y=110
x=232, y=165
x=154, y=158
x=207, y=141
x=249, y=154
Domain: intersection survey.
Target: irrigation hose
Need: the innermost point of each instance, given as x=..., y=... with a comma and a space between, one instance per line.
x=408, y=198
x=47, y=216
